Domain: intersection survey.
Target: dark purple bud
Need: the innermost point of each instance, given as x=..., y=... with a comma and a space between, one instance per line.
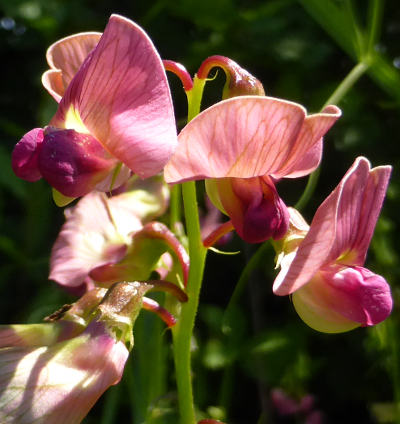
x=73, y=163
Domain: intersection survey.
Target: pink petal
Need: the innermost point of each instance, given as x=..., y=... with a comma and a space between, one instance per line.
x=313, y=305
x=313, y=251
x=240, y=137
x=342, y=226
x=33, y=335
x=24, y=159
x=59, y=384
x=250, y=136
x=337, y=298
x=67, y=55
x=309, y=162
x=85, y=243
x=304, y=155
x=122, y=96
x=52, y=81
x=374, y=195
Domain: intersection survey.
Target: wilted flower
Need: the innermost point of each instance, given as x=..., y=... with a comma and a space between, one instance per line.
x=331, y=290
x=115, y=116
x=242, y=146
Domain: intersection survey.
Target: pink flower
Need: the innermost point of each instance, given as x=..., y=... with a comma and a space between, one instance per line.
x=331, y=290
x=115, y=110
x=120, y=243
x=242, y=146
x=54, y=372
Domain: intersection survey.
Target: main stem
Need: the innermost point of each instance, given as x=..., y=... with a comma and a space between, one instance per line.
x=183, y=331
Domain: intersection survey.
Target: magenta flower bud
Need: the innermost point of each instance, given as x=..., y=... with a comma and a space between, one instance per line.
x=24, y=160
x=73, y=163
x=239, y=82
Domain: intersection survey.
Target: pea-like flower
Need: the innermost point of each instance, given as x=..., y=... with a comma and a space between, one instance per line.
x=54, y=372
x=120, y=244
x=322, y=267
x=115, y=115
x=242, y=146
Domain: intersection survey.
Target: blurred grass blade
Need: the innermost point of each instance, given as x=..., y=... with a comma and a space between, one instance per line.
x=335, y=21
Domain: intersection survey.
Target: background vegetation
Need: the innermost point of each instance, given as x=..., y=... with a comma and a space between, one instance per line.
x=301, y=50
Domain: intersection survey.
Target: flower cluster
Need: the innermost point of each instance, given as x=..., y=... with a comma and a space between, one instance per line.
x=114, y=131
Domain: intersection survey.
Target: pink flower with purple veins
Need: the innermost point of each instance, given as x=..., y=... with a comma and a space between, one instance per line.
x=115, y=115
x=241, y=147
x=331, y=290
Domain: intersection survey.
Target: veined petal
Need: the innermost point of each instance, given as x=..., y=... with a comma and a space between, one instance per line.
x=52, y=81
x=341, y=228
x=122, y=96
x=308, y=146
x=65, y=58
x=313, y=251
x=59, y=384
x=374, y=195
x=85, y=243
x=241, y=137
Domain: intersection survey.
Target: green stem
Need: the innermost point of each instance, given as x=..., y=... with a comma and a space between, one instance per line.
x=375, y=13
x=353, y=76
x=175, y=206
x=182, y=333
x=342, y=89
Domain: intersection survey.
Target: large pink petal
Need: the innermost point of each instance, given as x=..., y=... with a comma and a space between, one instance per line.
x=250, y=136
x=59, y=384
x=241, y=137
x=122, y=96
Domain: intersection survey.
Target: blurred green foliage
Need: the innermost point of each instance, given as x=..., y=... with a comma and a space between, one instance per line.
x=300, y=50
